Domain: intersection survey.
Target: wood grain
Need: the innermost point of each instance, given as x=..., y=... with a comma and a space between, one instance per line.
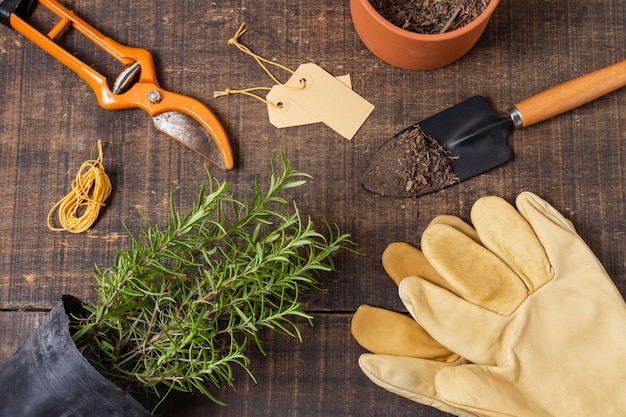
x=50, y=122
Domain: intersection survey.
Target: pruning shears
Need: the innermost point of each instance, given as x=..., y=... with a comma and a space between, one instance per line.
x=183, y=118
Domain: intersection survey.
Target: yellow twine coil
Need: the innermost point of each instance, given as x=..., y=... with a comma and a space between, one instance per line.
x=90, y=189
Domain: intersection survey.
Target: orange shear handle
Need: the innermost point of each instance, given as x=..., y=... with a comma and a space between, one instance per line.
x=145, y=93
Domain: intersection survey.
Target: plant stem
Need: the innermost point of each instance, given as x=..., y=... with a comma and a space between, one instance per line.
x=179, y=307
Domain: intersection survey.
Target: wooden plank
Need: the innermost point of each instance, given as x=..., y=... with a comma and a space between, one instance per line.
x=53, y=123
x=50, y=121
x=16, y=326
x=316, y=377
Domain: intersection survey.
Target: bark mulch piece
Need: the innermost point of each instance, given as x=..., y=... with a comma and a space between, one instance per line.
x=430, y=16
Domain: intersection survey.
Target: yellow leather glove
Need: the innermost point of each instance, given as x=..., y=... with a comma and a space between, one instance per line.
x=558, y=352
x=388, y=333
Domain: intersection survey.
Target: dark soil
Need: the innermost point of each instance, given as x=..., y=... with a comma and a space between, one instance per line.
x=430, y=16
x=409, y=165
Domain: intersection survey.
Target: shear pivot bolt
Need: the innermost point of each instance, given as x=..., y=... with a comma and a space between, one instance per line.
x=154, y=96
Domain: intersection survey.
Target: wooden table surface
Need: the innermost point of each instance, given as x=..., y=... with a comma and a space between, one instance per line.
x=50, y=122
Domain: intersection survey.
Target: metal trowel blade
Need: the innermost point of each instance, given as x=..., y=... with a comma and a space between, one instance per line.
x=473, y=136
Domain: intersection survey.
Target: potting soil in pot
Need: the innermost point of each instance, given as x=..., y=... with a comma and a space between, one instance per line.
x=430, y=16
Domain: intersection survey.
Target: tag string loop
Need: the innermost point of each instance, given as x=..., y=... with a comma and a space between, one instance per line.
x=264, y=63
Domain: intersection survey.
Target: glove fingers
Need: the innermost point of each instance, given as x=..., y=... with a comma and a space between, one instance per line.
x=458, y=224
x=384, y=331
x=402, y=260
x=517, y=245
x=567, y=250
x=541, y=215
x=473, y=272
x=480, y=390
x=408, y=377
x=465, y=328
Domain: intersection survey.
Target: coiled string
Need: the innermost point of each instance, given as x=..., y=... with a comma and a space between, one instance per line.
x=79, y=209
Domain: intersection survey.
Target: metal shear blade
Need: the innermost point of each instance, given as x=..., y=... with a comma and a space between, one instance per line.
x=186, y=130
x=181, y=117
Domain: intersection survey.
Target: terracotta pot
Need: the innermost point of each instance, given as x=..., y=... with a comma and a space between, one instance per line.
x=410, y=50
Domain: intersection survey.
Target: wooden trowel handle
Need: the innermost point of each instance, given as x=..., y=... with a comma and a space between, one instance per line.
x=569, y=95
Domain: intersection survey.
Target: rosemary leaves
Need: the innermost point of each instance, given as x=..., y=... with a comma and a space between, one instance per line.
x=178, y=309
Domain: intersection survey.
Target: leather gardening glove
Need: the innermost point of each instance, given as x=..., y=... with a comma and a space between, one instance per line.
x=560, y=352
x=388, y=333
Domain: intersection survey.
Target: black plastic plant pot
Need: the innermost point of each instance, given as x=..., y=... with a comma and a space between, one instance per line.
x=48, y=376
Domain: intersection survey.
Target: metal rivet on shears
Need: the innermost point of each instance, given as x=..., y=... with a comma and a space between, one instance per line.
x=154, y=96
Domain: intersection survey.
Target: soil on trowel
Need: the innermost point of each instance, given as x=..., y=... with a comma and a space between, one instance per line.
x=430, y=16
x=410, y=165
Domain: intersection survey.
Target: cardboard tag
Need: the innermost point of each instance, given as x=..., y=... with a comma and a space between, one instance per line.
x=324, y=99
x=293, y=115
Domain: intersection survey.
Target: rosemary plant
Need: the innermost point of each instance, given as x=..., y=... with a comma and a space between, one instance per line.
x=178, y=309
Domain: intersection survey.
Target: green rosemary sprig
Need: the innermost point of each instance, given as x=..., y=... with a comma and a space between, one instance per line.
x=180, y=306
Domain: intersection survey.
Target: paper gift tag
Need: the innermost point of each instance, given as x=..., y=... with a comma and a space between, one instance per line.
x=324, y=98
x=293, y=115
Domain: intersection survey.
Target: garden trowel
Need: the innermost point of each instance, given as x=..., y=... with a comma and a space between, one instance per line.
x=473, y=137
